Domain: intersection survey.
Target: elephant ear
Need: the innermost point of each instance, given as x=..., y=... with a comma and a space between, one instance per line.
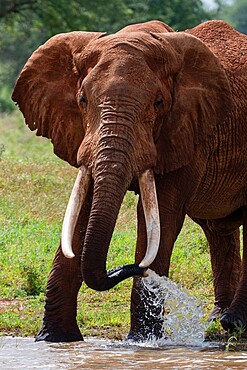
x=46, y=92
x=201, y=99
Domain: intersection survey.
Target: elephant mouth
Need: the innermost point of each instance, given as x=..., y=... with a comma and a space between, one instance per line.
x=150, y=208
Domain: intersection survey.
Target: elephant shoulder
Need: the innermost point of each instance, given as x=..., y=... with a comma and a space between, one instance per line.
x=229, y=45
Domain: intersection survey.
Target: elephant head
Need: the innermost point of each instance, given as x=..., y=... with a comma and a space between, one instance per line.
x=121, y=107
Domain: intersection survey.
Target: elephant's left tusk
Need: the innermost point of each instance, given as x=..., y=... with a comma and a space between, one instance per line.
x=75, y=203
x=151, y=212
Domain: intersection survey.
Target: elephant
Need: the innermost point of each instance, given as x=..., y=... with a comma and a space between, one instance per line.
x=154, y=111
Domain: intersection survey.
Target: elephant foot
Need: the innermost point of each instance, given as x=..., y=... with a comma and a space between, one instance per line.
x=231, y=322
x=217, y=312
x=58, y=335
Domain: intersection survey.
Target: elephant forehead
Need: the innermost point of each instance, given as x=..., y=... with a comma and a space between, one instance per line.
x=134, y=43
x=122, y=76
x=117, y=66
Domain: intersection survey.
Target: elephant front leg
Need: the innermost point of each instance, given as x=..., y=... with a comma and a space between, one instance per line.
x=147, y=310
x=64, y=282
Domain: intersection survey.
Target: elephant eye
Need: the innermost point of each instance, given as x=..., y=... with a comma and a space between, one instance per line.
x=83, y=100
x=158, y=103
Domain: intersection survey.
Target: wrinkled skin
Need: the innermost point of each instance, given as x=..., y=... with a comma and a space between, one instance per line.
x=124, y=103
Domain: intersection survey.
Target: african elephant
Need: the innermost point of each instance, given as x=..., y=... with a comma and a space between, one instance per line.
x=155, y=111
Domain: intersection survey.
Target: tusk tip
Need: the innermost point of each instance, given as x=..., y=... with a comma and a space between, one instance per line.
x=68, y=254
x=144, y=264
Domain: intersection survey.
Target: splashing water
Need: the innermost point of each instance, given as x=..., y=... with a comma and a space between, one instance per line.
x=183, y=314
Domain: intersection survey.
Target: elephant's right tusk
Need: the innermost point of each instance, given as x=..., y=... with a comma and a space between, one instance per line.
x=151, y=212
x=75, y=203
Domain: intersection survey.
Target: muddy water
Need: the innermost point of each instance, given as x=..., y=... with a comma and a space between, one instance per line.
x=24, y=353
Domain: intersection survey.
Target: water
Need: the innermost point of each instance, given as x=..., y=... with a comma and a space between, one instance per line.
x=182, y=346
x=183, y=322
x=24, y=353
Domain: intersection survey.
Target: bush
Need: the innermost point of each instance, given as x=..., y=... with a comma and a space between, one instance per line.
x=6, y=104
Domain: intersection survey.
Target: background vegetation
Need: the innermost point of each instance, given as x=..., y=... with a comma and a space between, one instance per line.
x=35, y=185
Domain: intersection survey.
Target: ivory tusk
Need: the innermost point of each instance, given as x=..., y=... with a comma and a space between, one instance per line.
x=151, y=212
x=75, y=203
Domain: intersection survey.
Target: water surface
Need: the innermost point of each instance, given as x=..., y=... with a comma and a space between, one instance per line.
x=24, y=353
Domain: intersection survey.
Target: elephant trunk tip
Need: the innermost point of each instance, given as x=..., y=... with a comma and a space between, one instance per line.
x=112, y=277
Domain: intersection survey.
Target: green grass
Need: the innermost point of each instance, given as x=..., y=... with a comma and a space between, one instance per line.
x=34, y=190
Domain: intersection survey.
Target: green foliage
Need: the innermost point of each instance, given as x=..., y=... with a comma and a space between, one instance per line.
x=14, y=6
x=20, y=143
x=178, y=14
x=2, y=149
x=6, y=104
x=21, y=317
x=236, y=15
x=19, y=37
x=100, y=15
x=230, y=346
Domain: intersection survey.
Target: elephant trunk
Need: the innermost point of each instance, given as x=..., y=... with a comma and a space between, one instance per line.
x=112, y=176
x=109, y=191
